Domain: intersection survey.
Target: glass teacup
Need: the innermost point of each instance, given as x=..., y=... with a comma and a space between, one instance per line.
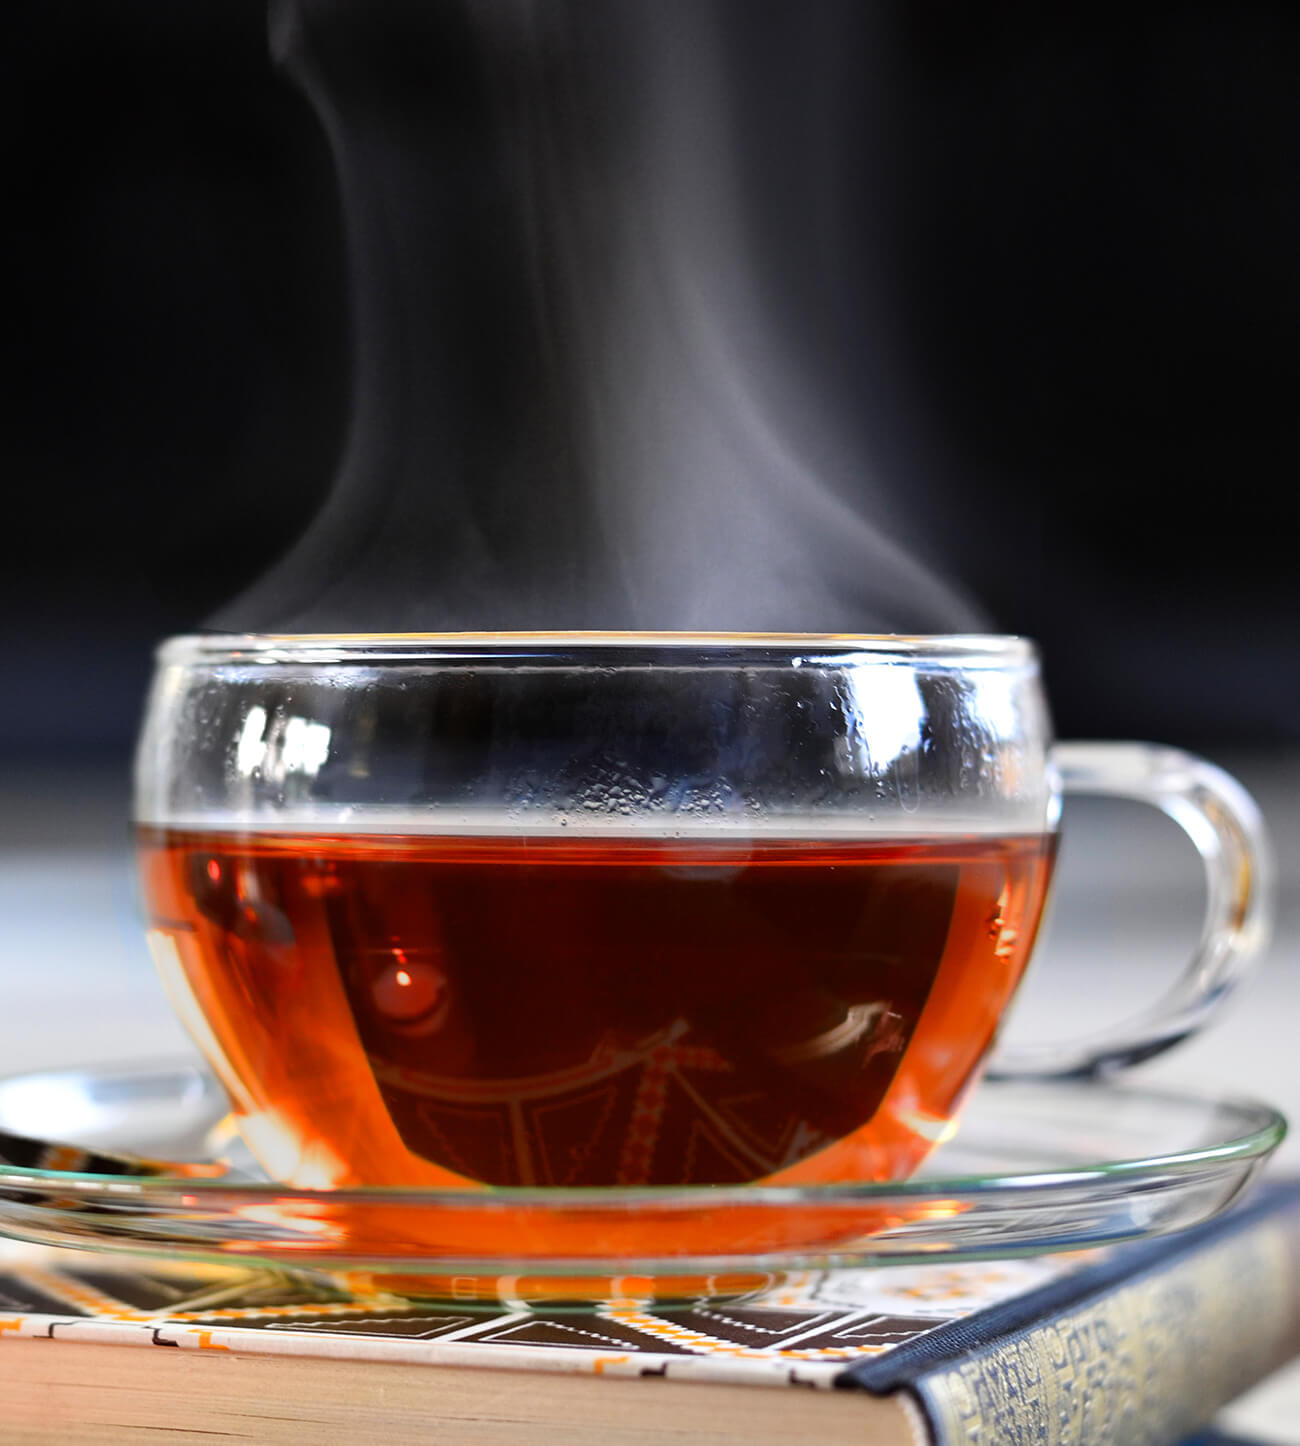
x=627, y=909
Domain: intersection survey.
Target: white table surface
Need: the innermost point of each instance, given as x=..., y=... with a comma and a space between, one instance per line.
x=77, y=985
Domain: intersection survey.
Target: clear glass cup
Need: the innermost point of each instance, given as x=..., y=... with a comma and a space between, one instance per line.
x=628, y=909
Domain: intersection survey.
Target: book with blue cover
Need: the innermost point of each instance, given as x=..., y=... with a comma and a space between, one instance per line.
x=1136, y=1344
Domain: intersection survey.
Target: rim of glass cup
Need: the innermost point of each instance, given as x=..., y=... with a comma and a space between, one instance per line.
x=962, y=649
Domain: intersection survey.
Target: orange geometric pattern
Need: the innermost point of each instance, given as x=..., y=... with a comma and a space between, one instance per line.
x=637, y=1160
x=815, y=1321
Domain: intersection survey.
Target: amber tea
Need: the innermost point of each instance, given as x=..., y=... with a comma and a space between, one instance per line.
x=555, y=1010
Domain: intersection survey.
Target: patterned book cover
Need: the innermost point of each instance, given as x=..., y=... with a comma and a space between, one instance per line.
x=803, y=1330
x=1135, y=1344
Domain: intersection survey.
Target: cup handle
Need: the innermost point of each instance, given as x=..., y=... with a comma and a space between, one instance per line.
x=1221, y=819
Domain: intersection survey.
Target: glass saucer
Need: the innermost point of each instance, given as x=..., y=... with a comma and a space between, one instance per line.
x=1036, y=1167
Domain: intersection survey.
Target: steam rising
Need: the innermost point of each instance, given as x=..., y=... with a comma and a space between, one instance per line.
x=584, y=396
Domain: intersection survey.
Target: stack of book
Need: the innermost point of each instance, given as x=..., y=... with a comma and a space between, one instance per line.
x=1134, y=1345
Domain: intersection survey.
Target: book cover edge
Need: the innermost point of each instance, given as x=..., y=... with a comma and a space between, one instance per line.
x=1129, y=1264
x=1140, y=1352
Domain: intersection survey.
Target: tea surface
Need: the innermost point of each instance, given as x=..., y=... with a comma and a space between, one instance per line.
x=417, y=1009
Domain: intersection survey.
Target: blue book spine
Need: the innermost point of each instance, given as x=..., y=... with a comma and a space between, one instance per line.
x=1137, y=1350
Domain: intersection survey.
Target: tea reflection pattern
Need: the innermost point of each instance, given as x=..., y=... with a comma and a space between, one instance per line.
x=584, y=1017
x=667, y=1107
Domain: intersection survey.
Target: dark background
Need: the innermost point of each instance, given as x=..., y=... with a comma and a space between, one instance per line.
x=1095, y=248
